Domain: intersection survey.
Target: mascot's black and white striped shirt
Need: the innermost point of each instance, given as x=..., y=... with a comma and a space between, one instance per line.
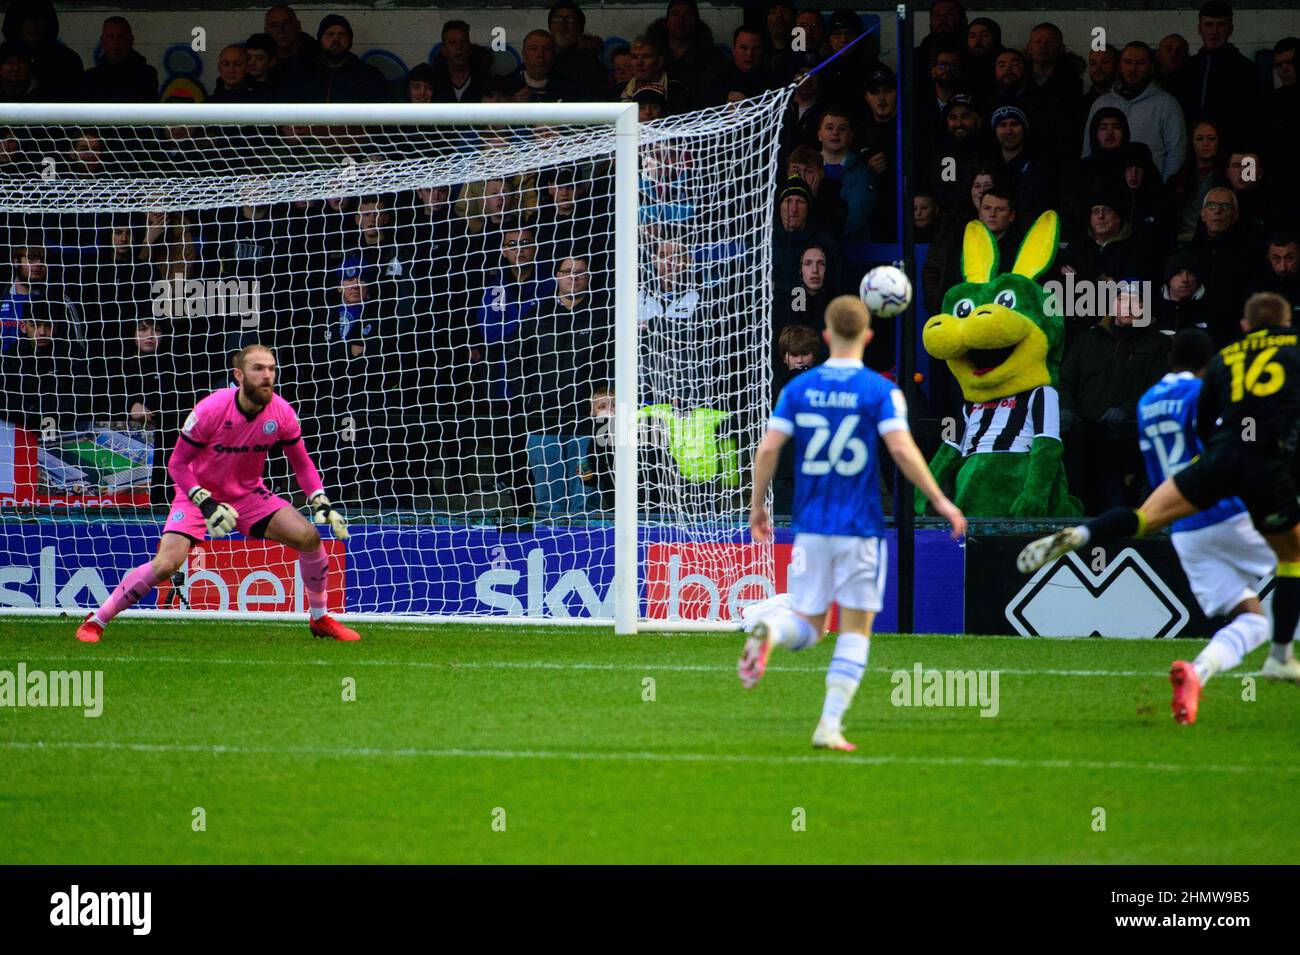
x=1011, y=423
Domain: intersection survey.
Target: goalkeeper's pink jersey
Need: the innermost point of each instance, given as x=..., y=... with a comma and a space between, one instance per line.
x=224, y=450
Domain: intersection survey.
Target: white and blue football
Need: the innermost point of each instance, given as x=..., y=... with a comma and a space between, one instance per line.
x=885, y=291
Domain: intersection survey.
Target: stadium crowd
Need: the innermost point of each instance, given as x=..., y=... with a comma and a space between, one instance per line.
x=1165, y=165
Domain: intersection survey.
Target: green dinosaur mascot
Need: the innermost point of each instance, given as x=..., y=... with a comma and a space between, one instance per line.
x=1004, y=349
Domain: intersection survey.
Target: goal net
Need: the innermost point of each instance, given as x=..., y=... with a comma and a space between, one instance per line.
x=447, y=304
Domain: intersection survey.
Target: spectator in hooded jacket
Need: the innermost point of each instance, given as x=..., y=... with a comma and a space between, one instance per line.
x=1147, y=208
x=122, y=75
x=1154, y=116
x=794, y=230
x=1182, y=301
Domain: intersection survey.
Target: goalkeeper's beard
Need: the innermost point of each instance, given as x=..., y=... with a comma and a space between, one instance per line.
x=253, y=394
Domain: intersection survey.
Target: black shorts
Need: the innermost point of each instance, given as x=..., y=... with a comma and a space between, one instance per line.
x=1265, y=483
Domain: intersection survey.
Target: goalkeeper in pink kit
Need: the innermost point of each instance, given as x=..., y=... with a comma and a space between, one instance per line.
x=218, y=469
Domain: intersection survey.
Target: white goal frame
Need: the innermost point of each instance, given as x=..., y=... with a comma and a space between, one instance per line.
x=622, y=116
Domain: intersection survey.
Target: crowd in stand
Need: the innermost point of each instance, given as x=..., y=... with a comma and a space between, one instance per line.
x=1166, y=166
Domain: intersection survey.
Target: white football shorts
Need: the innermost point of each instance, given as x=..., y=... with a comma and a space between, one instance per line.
x=847, y=570
x=1224, y=562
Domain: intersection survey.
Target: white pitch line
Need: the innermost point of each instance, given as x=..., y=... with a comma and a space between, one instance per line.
x=559, y=628
x=827, y=759
x=89, y=658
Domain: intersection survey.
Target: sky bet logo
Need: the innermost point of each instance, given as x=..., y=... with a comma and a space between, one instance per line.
x=103, y=908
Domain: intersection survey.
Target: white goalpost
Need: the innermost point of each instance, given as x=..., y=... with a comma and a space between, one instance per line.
x=529, y=346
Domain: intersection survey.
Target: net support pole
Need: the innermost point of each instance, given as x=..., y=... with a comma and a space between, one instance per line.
x=626, y=386
x=904, y=518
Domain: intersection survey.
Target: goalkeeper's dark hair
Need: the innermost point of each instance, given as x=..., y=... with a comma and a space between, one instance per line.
x=1191, y=351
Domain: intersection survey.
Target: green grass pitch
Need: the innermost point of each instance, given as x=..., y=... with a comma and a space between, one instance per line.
x=475, y=744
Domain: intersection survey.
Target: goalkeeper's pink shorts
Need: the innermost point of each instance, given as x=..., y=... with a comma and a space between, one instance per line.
x=254, y=508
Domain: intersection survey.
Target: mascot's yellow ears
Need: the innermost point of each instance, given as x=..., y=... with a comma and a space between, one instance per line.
x=979, y=252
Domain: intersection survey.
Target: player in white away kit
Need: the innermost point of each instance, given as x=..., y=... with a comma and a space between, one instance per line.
x=834, y=412
x=1222, y=554
x=218, y=469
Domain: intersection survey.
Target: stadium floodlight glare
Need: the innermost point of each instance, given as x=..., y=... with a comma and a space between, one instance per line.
x=417, y=334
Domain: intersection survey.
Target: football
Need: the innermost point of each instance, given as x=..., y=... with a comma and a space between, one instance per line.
x=885, y=291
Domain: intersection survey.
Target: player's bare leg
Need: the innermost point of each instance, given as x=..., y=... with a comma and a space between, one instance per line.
x=780, y=627
x=1165, y=505
x=172, y=551
x=290, y=528
x=1281, y=663
x=848, y=666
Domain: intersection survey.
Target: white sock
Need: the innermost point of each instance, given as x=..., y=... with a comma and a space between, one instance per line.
x=843, y=676
x=317, y=612
x=790, y=630
x=1231, y=644
x=94, y=618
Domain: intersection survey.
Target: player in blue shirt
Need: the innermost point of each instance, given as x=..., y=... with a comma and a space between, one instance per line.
x=835, y=412
x=1222, y=554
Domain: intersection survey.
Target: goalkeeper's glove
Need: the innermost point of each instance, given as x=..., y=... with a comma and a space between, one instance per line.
x=322, y=512
x=220, y=518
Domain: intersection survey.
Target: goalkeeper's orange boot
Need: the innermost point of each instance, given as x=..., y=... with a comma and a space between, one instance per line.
x=89, y=631
x=1187, y=691
x=327, y=626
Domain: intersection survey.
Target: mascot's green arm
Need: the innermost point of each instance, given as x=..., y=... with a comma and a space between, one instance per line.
x=1040, y=479
x=945, y=464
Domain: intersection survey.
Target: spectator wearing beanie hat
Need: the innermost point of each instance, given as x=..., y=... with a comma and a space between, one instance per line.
x=794, y=230
x=1026, y=168
x=338, y=75
x=1182, y=301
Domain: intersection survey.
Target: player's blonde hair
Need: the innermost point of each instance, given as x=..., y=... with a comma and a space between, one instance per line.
x=240, y=357
x=1266, y=310
x=847, y=317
